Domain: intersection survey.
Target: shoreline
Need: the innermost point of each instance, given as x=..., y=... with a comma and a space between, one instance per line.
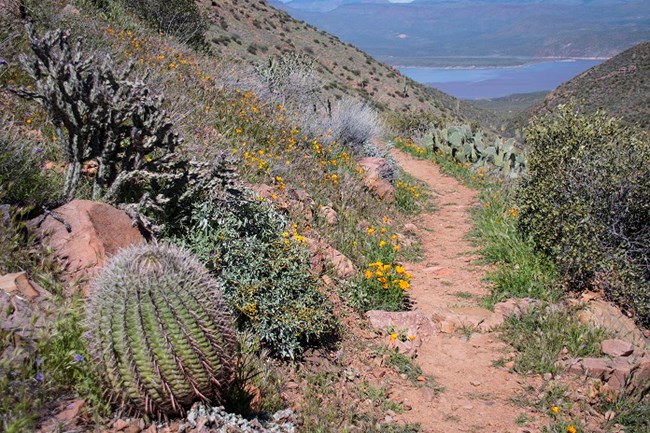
x=528, y=62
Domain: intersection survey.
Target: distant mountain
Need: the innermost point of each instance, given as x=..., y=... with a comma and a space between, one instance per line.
x=620, y=86
x=411, y=33
x=253, y=31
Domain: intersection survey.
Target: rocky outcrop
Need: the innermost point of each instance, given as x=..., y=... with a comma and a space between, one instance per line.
x=84, y=234
x=24, y=306
x=373, y=179
x=323, y=255
x=601, y=314
x=403, y=330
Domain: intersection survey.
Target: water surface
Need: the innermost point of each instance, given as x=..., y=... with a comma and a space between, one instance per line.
x=483, y=83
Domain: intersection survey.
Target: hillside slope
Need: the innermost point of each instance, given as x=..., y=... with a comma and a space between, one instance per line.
x=620, y=86
x=253, y=31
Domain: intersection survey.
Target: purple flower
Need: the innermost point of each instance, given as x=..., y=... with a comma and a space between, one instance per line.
x=3, y=62
x=78, y=358
x=39, y=150
x=39, y=377
x=39, y=361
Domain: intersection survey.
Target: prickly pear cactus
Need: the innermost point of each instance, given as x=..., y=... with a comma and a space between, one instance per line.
x=160, y=331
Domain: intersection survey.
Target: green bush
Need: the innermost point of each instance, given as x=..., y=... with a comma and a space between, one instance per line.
x=23, y=180
x=585, y=204
x=265, y=273
x=181, y=18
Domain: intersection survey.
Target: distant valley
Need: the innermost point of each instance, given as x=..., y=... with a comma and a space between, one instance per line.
x=487, y=33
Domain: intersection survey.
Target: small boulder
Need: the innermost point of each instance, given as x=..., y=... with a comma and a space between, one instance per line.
x=330, y=216
x=411, y=322
x=18, y=284
x=323, y=253
x=604, y=315
x=640, y=381
x=616, y=348
x=595, y=367
x=410, y=229
x=515, y=306
x=373, y=180
x=92, y=233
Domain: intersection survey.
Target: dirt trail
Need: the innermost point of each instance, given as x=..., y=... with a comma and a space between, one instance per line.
x=476, y=396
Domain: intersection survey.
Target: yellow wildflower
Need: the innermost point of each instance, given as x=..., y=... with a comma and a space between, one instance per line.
x=555, y=409
x=411, y=337
x=403, y=284
x=371, y=230
x=400, y=269
x=396, y=248
x=368, y=274
x=393, y=337
x=571, y=429
x=382, y=243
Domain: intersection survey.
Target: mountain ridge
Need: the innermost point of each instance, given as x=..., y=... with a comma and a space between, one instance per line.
x=534, y=29
x=620, y=86
x=251, y=30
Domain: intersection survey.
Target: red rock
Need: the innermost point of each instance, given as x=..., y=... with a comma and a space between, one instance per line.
x=97, y=231
x=595, y=367
x=70, y=411
x=411, y=322
x=615, y=348
x=133, y=428
x=324, y=252
x=620, y=374
x=18, y=284
x=373, y=180
x=120, y=424
x=603, y=315
x=410, y=229
x=330, y=216
x=514, y=306
x=640, y=380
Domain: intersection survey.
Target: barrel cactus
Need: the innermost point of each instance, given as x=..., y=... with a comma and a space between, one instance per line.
x=160, y=331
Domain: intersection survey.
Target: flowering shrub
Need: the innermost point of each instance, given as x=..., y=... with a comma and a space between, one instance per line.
x=264, y=272
x=409, y=197
x=383, y=286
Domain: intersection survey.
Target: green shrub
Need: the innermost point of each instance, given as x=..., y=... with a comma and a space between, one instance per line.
x=265, y=272
x=161, y=333
x=23, y=180
x=585, y=204
x=542, y=333
x=181, y=18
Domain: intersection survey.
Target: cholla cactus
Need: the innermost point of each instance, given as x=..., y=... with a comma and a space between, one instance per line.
x=100, y=115
x=160, y=331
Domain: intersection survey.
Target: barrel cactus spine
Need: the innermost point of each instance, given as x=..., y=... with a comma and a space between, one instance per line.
x=160, y=331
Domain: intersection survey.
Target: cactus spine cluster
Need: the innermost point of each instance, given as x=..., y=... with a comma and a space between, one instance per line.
x=467, y=147
x=160, y=331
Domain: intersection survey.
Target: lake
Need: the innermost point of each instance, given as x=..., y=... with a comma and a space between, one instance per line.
x=486, y=83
